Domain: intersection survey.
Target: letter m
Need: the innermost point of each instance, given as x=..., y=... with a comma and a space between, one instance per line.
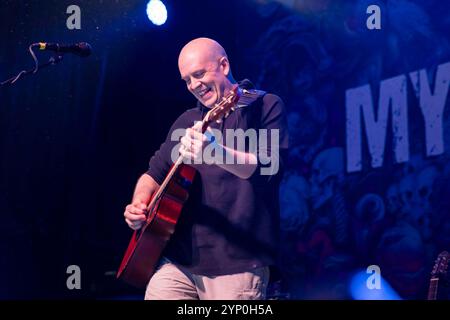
x=393, y=96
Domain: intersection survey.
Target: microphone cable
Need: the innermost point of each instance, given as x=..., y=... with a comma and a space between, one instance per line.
x=36, y=63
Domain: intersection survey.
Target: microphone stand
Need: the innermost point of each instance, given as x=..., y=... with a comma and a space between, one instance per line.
x=52, y=61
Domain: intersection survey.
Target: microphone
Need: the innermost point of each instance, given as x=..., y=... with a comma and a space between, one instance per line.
x=82, y=49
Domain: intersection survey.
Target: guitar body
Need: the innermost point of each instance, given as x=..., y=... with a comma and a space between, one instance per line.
x=146, y=245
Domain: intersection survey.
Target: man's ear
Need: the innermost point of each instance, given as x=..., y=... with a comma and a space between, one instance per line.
x=225, y=66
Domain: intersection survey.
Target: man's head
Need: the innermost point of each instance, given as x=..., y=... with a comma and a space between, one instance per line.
x=205, y=68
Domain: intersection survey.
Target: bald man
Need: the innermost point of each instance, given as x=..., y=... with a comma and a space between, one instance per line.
x=226, y=237
x=205, y=68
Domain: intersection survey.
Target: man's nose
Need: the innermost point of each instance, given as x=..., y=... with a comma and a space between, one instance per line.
x=195, y=84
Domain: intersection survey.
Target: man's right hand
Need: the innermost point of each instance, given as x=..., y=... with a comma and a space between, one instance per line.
x=135, y=215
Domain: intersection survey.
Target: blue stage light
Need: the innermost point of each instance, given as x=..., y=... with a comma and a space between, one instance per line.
x=156, y=12
x=360, y=290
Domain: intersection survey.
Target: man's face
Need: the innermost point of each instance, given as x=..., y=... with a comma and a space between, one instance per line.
x=205, y=77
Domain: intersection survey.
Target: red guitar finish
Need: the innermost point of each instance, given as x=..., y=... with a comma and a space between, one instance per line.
x=146, y=245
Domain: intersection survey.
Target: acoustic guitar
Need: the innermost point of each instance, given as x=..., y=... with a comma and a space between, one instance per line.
x=146, y=244
x=438, y=273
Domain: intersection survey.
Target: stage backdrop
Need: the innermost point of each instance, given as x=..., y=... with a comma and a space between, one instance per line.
x=366, y=187
x=367, y=180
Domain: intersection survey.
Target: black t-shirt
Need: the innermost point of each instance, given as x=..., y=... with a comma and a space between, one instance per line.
x=229, y=224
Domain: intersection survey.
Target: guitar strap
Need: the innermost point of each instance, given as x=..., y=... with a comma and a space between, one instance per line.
x=249, y=96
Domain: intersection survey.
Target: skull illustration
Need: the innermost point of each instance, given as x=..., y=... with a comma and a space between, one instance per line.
x=406, y=190
x=294, y=191
x=415, y=164
x=327, y=174
x=393, y=200
x=415, y=190
x=424, y=187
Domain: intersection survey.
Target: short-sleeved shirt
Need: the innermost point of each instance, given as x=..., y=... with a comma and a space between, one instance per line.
x=230, y=224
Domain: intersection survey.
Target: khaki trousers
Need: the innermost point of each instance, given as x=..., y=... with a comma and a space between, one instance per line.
x=169, y=282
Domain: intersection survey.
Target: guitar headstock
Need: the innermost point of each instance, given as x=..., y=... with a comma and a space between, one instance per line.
x=223, y=108
x=441, y=264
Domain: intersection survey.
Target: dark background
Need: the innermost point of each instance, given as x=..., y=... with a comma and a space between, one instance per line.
x=75, y=137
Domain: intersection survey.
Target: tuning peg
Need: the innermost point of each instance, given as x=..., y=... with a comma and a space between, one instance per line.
x=219, y=120
x=233, y=108
x=227, y=114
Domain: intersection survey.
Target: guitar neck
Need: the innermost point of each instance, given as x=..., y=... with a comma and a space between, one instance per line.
x=164, y=184
x=432, y=290
x=170, y=174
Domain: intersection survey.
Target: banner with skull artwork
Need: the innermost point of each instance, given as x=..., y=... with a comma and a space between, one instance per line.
x=368, y=175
